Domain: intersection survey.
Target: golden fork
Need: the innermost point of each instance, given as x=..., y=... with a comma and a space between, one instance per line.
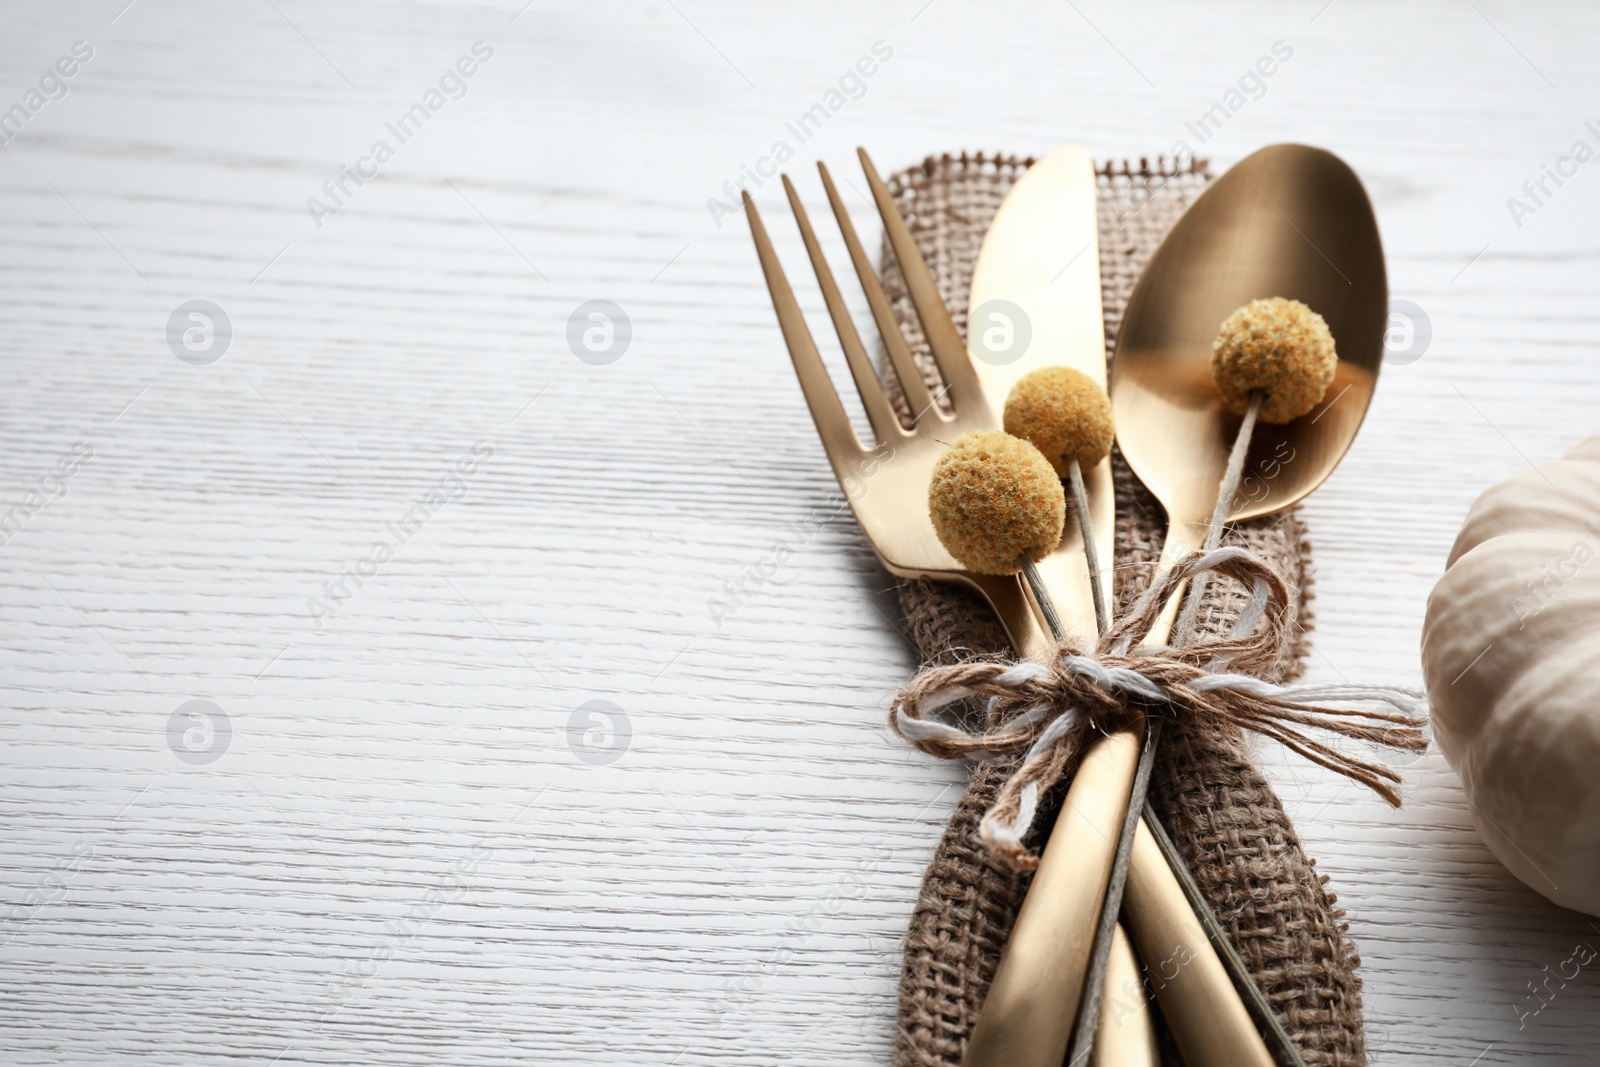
x=887, y=486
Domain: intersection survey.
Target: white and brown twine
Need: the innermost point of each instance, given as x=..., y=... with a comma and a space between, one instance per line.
x=1225, y=819
x=1049, y=711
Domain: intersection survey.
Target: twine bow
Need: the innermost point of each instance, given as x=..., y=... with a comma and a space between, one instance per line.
x=1047, y=710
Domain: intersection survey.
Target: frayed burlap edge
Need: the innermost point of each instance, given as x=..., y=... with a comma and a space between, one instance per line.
x=1225, y=818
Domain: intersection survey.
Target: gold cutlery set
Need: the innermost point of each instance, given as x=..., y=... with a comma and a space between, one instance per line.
x=1109, y=895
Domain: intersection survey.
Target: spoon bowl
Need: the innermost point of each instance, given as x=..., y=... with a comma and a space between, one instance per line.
x=1290, y=221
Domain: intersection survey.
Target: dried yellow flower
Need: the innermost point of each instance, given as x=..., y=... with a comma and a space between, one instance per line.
x=994, y=498
x=1064, y=413
x=1280, y=347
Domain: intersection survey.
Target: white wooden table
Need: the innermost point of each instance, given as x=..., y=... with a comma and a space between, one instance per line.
x=389, y=836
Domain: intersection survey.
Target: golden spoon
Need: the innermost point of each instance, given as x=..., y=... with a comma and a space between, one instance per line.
x=1288, y=221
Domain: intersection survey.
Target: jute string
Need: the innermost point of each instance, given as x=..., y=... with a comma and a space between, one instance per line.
x=1047, y=711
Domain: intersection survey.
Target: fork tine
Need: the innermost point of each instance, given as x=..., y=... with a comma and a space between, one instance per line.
x=885, y=423
x=905, y=367
x=949, y=350
x=839, y=438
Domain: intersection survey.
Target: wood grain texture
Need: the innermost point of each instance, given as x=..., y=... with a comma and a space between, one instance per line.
x=400, y=856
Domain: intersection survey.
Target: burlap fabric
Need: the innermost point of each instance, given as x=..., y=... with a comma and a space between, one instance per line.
x=1226, y=820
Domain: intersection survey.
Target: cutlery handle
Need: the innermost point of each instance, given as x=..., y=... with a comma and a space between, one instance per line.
x=1125, y=1035
x=1014, y=609
x=1203, y=1010
x=1027, y=1019
x=1182, y=538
